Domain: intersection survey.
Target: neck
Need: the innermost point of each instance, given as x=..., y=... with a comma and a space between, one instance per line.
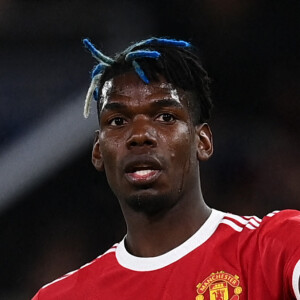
x=149, y=236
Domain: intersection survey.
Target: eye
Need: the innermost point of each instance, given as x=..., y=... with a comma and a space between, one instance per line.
x=166, y=117
x=117, y=121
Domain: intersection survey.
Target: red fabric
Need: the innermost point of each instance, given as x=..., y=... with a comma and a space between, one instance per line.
x=248, y=264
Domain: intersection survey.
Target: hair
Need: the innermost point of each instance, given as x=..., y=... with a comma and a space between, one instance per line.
x=176, y=61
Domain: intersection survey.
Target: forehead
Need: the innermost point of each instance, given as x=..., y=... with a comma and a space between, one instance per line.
x=130, y=85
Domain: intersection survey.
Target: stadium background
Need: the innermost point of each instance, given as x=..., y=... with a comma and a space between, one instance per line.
x=56, y=211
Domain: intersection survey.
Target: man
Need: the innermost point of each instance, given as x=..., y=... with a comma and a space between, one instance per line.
x=153, y=104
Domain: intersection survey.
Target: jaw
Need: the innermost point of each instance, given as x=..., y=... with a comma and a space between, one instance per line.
x=148, y=202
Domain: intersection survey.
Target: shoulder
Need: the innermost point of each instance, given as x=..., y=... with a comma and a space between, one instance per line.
x=69, y=285
x=276, y=220
x=279, y=230
x=269, y=246
x=283, y=224
x=283, y=216
x=279, y=248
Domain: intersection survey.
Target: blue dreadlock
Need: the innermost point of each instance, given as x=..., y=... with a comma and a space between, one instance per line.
x=131, y=56
x=96, y=53
x=140, y=72
x=141, y=54
x=166, y=42
x=160, y=41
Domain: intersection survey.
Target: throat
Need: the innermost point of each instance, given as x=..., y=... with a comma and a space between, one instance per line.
x=155, y=237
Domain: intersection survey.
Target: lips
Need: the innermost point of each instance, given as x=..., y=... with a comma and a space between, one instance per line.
x=143, y=177
x=142, y=170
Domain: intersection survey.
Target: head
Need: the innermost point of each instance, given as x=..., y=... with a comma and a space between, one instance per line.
x=153, y=102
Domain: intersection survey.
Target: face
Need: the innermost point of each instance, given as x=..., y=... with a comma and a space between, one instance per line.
x=147, y=144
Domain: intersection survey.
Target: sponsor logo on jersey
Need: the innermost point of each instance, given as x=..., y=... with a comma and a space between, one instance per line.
x=219, y=286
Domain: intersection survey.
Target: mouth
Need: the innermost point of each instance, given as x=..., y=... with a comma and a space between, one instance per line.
x=143, y=177
x=143, y=172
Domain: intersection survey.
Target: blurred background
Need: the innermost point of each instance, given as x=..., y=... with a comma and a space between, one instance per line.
x=56, y=212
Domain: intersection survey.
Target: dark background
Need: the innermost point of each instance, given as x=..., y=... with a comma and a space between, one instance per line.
x=56, y=211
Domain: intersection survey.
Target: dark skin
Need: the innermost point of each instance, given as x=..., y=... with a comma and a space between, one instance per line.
x=150, y=151
x=145, y=128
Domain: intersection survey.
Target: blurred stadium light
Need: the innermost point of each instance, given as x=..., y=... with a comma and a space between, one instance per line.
x=51, y=143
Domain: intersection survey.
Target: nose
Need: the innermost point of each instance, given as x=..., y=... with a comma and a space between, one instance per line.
x=142, y=134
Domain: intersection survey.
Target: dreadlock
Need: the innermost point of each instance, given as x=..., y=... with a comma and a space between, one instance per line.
x=175, y=60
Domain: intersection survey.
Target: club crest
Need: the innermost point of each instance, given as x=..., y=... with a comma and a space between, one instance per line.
x=219, y=286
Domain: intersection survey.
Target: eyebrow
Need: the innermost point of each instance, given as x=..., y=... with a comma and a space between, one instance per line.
x=155, y=104
x=167, y=103
x=114, y=106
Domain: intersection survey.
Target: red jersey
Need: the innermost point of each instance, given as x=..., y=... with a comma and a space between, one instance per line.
x=229, y=257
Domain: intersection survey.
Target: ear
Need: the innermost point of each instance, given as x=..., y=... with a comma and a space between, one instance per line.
x=204, y=142
x=96, y=154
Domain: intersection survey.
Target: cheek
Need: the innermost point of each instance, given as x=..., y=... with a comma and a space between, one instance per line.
x=180, y=143
x=109, y=149
x=109, y=142
x=110, y=162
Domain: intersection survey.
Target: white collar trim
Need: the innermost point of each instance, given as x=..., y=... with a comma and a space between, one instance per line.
x=135, y=263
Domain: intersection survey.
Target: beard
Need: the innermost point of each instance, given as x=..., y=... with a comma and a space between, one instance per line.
x=151, y=204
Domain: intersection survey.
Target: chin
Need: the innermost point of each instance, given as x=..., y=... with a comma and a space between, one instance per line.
x=150, y=204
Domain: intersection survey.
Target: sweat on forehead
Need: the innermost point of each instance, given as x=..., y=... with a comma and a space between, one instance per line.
x=126, y=84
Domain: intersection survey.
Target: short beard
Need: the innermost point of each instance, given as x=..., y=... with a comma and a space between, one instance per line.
x=150, y=205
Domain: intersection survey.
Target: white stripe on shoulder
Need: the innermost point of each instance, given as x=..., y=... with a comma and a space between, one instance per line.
x=232, y=225
x=273, y=213
x=59, y=279
x=112, y=249
x=257, y=219
x=295, y=280
x=250, y=226
x=237, y=218
x=248, y=222
x=254, y=222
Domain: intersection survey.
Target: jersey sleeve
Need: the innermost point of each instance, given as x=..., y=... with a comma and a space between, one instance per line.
x=279, y=249
x=36, y=296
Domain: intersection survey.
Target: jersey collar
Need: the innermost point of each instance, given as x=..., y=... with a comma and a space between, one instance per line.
x=135, y=263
